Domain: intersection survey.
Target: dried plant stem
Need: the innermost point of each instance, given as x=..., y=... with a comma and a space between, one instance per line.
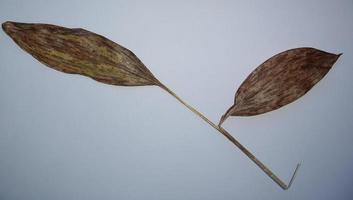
x=237, y=143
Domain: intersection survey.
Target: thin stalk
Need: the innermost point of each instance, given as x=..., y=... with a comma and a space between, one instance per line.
x=238, y=144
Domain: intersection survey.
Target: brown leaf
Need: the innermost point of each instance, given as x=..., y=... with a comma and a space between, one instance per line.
x=78, y=51
x=280, y=80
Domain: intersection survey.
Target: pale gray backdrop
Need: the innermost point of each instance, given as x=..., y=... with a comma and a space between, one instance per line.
x=69, y=137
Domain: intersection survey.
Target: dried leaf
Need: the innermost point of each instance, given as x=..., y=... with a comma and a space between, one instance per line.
x=277, y=82
x=280, y=80
x=78, y=51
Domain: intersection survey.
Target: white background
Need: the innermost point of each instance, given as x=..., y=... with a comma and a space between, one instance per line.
x=68, y=137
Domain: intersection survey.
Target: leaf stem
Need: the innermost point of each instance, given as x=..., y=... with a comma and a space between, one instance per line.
x=237, y=143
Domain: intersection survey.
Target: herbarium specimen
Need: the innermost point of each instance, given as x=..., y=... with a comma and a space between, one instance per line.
x=277, y=82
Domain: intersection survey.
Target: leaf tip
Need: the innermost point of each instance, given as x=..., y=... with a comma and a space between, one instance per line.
x=10, y=27
x=336, y=57
x=6, y=26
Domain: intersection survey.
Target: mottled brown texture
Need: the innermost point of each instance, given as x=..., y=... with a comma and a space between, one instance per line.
x=78, y=51
x=280, y=80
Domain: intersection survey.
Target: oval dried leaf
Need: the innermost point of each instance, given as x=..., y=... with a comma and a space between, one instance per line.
x=280, y=80
x=78, y=51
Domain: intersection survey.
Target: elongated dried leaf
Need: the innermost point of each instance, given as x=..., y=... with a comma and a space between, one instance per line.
x=280, y=80
x=78, y=51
